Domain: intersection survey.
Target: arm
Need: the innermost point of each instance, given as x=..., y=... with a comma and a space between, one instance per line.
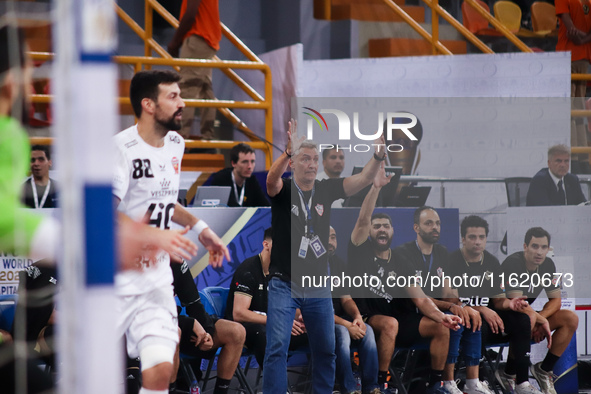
x=184, y=26
x=209, y=239
x=274, y=181
x=577, y=36
x=551, y=307
x=355, y=183
x=428, y=308
x=363, y=224
x=242, y=313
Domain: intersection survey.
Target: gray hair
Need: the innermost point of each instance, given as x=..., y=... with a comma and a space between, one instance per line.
x=558, y=150
x=305, y=144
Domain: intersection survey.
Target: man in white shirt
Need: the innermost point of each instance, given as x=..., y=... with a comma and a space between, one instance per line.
x=146, y=185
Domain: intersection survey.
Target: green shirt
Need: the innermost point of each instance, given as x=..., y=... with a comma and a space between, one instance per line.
x=17, y=224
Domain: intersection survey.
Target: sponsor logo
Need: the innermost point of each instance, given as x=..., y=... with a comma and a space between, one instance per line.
x=174, y=138
x=295, y=210
x=320, y=209
x=165, y=184
x=175, y=165
x=162, y=167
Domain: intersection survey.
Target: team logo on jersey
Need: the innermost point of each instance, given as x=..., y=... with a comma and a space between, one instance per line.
x=319, y=209
x=555, y=279
x=165, y=184
x=174, y=138
x=439, y=272
x=261, y=286
x=175, y=165
x=162, y=167
x=487, y=275
x=381, y=271
x=295, y=210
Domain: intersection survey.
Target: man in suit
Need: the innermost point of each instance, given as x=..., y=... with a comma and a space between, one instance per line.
x=555, y=185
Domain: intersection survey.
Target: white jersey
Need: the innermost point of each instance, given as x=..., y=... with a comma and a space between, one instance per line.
x=147, y=179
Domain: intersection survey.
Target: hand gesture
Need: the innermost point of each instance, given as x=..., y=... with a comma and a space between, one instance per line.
x=518, y=304
x=381, y=180
x=298, y=328
x=201, y=338
x=542, y=330
x=380, y=144
x=215, y=246
x=355, y=331
x=493, y=319
x=293, y=139
x=452, y=322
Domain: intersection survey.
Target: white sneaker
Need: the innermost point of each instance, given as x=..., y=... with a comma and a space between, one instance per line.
x=526, y=388
x=451, y=387
x=545, y=379
x=481, y=388
x=506, y=381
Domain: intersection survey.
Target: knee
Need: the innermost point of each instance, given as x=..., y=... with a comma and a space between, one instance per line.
x=237, y=333
x=442, y=332
x=389, y=328
x=571, y=320
x=157, y=377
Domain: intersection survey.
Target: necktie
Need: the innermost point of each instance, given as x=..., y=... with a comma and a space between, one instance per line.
x=561, y=195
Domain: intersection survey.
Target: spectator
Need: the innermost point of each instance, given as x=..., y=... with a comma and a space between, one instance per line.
x=401, y=314
x=199, y=33
x=246, y=191
x=532, y=263
x=248, y=300
x=574, y=37
x=333, y=162
x=500, y=316
x=40, y=191
x=554, y=185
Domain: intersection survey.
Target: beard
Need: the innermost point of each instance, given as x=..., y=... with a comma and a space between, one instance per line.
x=380, y=247
x=429, y=238
x=171, y=123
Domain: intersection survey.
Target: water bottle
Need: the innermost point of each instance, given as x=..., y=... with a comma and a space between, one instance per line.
x=194, y=389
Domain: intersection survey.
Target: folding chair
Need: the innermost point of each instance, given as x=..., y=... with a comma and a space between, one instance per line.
x=7, y=310
x=403, y=376
x=214, y=300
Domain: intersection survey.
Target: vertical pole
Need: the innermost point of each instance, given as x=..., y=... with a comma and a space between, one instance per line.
x=148, y=32
x=86, y=119
x=434, y=26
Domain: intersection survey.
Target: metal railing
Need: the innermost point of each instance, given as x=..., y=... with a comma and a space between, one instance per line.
x=259, y=102
x=433, y=37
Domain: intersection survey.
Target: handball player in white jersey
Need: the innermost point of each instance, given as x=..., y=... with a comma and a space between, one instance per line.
x=146, y=186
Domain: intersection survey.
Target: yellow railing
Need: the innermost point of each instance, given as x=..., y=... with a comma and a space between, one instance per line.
x=259, y=102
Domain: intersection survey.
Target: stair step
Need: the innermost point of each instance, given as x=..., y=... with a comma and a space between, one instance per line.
x=375, y=12
x=210, y=162
x=389, y=47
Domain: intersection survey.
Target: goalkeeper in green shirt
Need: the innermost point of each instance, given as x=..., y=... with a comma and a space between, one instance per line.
x=22, y=231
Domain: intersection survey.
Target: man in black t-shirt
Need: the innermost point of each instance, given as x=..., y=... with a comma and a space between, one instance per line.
x=526, y=274
x=391, y=300
x=246, y=191
x=247, y=301
x=300, y=210
x=429, y=260
x=476, y=281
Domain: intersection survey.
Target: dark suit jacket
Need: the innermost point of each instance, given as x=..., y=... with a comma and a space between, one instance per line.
x=543, y=191
x=253, y=194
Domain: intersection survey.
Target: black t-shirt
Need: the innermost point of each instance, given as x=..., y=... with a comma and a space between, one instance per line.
x=385, y=297
x=39, y=281
x=520, y=282
x=476, y=282
x=288, y=222
x=434, y=264
x=249, y=280
x=28, y=198
x=253, y=194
